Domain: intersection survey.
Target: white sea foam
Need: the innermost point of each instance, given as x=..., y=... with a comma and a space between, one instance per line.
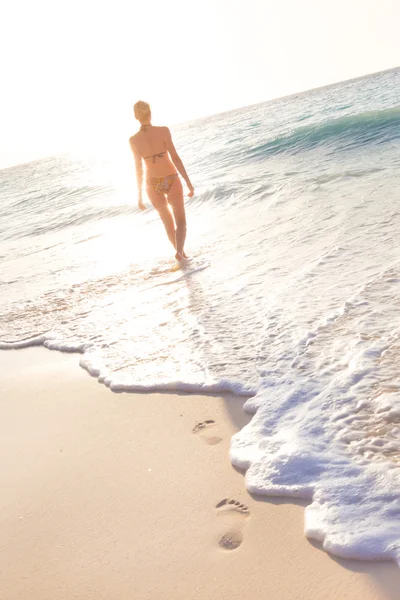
x=328, y=431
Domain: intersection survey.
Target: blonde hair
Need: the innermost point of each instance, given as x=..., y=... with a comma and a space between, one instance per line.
x=142, y=111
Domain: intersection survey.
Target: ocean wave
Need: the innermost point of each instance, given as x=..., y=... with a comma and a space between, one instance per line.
x=84, y=216
x=59, y=221
x=343, y=133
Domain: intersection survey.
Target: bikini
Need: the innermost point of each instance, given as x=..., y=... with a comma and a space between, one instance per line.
x=161, y=185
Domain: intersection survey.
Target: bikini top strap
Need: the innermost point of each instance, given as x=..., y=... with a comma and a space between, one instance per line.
x=154, y=156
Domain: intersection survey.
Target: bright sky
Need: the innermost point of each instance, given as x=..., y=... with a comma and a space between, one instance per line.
x=71, y=70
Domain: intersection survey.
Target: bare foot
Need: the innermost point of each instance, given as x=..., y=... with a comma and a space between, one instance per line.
x=181, y=256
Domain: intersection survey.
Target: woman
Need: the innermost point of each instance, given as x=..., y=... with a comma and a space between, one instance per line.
x=153, y=146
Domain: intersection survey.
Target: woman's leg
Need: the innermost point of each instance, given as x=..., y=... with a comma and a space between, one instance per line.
x=161, y=205
x=175, y=199
x=180, y=232
x=168, y=220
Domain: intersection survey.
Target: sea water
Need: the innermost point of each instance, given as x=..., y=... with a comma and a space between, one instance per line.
x=292, y=296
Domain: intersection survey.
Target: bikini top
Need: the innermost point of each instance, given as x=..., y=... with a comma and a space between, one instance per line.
x=153, y=156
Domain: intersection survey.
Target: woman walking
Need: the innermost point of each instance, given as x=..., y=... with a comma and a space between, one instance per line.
x=153, y=146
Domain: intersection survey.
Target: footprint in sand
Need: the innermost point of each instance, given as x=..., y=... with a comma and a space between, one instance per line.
x=237, y=512
x=207, y=431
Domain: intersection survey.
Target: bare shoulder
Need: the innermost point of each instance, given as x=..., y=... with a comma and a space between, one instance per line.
x=161, y=130
x=166, y=133
x=132, y=139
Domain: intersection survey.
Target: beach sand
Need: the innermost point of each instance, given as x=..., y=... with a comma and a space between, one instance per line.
x=113, y=496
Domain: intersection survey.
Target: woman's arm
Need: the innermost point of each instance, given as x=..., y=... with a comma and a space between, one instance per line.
x=139, y=173
x=177, y=161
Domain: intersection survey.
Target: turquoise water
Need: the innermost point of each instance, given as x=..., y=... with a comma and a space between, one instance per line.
x=291, y=296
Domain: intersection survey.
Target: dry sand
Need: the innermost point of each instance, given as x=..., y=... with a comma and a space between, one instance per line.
x=112, y=496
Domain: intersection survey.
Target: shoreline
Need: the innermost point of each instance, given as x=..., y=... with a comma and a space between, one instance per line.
x=113, y=495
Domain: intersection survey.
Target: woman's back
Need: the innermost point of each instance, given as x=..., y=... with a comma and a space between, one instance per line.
x=152, y=144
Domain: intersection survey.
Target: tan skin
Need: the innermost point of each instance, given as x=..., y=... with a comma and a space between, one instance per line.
x=146, y=144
